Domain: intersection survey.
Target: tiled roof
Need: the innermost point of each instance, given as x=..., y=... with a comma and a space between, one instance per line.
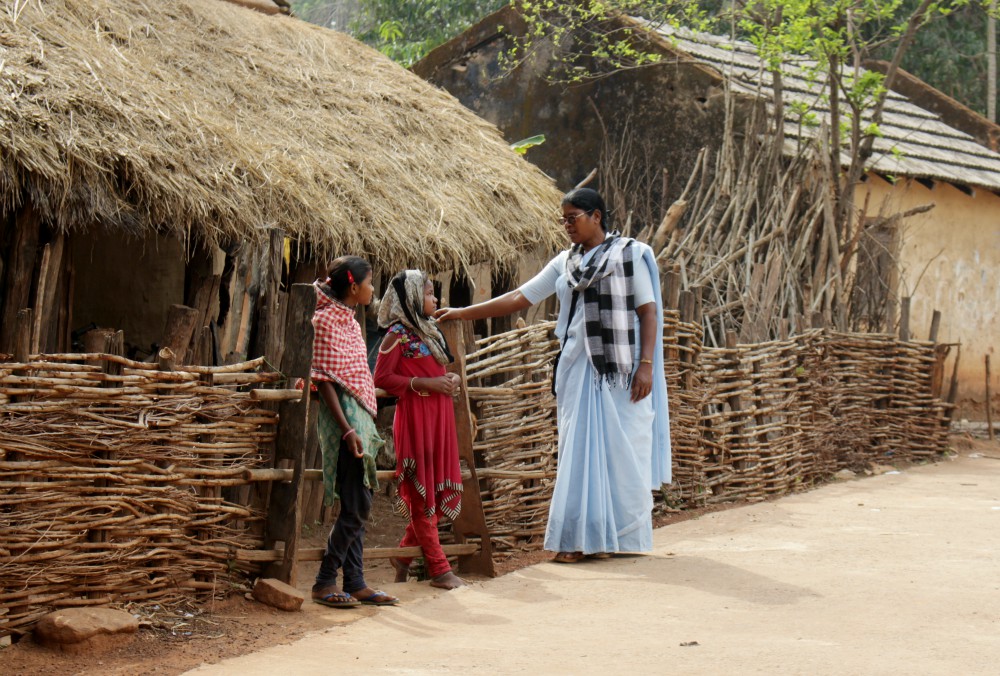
x=914, y=142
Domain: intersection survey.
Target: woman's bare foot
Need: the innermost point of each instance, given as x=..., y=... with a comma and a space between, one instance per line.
x=447, y=581
x=402, y=570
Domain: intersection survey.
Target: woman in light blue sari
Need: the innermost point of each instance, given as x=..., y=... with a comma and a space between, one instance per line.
x=614, y=443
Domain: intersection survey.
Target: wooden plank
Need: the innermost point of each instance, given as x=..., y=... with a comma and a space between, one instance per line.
x=287, y=474
x=267, y=338
x=22, y=335
x=316, y=553
x=472, y=519
x=19, y=274
x=43, y=296
x=284, y=509
x=953, y=388
x=178, y=331
x=904, y=319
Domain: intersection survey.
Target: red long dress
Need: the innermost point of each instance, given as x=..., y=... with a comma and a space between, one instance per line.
x=427, y=464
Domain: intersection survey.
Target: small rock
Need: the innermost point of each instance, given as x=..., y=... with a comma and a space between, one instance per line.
x=277, y=594
x=845, y=474
x=883, y=469
x=86, y=630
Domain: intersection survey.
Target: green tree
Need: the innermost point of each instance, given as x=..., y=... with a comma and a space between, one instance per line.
x=404, y=30
x=950, y=54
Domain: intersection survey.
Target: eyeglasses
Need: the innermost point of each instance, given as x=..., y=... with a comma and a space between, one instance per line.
x=571, y=219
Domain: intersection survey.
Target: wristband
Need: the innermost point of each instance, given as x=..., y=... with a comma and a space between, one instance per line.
x=348, y=433
x=645, y=361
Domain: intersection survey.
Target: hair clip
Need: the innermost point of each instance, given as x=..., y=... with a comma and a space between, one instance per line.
x=350, y=277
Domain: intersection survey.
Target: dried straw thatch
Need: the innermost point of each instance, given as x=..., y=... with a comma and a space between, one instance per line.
x=214, y=122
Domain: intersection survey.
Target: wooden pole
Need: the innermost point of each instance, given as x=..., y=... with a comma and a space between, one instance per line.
x=22, y=335
x=904, y=320
x=19, y=272
x=935, y=326
x=267, y=341
x=989, y=401
x=472, y=519
x=284, y=508
x=953, y=388
x=178, y=331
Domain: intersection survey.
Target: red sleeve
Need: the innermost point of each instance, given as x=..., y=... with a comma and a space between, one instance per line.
x=387, y=375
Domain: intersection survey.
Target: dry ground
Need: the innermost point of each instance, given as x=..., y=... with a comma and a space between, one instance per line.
x=188, y=637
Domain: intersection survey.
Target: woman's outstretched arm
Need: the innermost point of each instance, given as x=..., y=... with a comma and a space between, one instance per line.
x=512, y=301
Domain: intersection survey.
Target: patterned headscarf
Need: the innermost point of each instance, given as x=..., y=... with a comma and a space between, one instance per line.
x=403, y=302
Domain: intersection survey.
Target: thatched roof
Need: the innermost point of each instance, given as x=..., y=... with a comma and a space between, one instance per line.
x=914, y=142
x=216, y=122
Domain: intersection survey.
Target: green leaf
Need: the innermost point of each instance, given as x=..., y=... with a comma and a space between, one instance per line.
x=521, y=147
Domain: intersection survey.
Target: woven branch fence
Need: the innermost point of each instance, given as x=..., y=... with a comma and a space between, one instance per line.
x=748, y=422
x=119, y=482
x=123, y=482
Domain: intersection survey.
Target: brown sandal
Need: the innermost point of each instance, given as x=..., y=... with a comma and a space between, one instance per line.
x=568, y=557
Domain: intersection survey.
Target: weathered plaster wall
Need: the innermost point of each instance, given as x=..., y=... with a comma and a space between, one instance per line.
x=950, y=261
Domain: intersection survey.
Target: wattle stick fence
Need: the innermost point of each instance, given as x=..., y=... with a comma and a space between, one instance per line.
x=123, y=481
x=748, y=422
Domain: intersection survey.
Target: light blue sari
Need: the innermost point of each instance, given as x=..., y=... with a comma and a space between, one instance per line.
x=612, y=452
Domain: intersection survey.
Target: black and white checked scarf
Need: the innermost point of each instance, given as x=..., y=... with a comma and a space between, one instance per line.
x=608, y=306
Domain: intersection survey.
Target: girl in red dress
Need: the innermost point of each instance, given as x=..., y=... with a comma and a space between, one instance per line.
x=411, y=367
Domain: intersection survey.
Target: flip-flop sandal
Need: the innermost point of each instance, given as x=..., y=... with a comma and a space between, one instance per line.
x=336, y=599
x=379, y=598
x=568, y=557
x=600, y=555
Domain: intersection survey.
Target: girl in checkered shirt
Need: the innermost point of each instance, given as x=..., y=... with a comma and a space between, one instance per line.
x=346, y=430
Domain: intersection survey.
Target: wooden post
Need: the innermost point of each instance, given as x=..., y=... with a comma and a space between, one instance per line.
x=180, y=327
x=904, y=320
x=687, y=308
x=953, y=388
x=935, y=326
x=671, y=289
x=22, y=336
x=267, y=341
x=940, y=355
x=989, y=401
x=19, y=273
x=472, y=520
x=46, y=315
x=284, y=508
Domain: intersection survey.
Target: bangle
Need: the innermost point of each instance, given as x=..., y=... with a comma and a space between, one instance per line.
x=646, y=361
x=422, y=394
x=348, y=433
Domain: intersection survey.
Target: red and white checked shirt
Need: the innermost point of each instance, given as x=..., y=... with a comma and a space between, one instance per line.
x=339, y=351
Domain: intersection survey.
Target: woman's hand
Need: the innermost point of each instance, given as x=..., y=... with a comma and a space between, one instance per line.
x=642, y=382
x=457, y=382
x=446, y=384
x=449, y=314
x=354, y=445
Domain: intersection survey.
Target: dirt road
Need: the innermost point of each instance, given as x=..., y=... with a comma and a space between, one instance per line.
x=894, y=574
